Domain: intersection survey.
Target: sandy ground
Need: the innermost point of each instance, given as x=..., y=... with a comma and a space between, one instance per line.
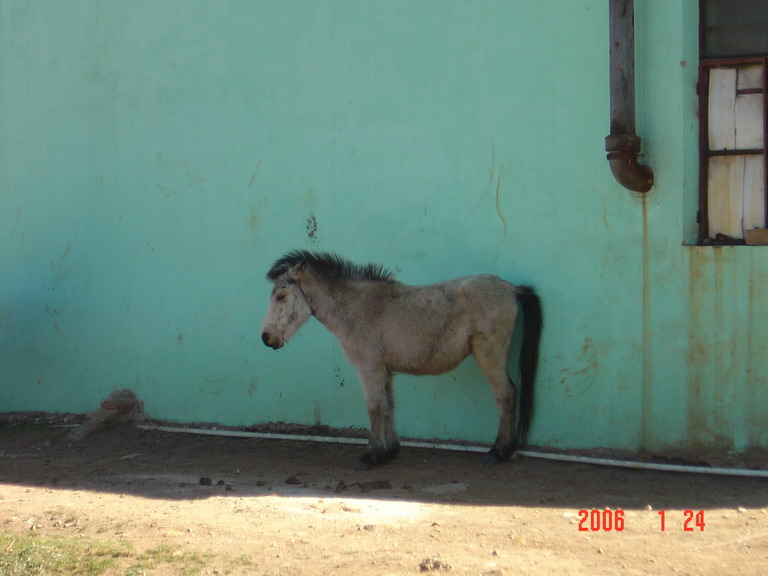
x=265, y=507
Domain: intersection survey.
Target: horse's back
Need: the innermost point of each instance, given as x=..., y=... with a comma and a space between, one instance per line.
x=487, y=288
x=429, y=329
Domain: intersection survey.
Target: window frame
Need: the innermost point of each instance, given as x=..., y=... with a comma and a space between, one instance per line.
x=706, y=152
x=707, y=63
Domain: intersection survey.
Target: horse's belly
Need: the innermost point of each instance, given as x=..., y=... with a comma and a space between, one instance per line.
x=421, y=360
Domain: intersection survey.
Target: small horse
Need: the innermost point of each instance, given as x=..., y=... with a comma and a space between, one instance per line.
x=385, y=327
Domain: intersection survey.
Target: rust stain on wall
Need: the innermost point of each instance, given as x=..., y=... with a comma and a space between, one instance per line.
x=254, y=218
x=587, y=368
x=726, y=398
x=699, y=342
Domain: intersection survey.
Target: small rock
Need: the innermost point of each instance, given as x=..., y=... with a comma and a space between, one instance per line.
x=205, y=481
x=434, y=563
x=293, y=480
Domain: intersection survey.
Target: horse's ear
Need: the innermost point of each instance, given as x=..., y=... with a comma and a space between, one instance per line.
x=295, y=272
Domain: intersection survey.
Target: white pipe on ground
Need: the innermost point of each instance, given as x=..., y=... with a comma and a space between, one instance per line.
x=470, y=448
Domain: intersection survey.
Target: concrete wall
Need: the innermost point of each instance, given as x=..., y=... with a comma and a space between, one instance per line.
x=157, y=156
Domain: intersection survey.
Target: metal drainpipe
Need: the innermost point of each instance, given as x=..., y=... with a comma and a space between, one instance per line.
x=623, y=145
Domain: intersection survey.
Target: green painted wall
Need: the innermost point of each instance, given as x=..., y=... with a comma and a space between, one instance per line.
x=157, y=156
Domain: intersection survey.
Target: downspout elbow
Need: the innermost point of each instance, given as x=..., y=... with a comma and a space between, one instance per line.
x=623, y=145
x=623, y=150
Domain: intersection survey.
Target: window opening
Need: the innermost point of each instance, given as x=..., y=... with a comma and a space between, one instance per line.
x=733, y=112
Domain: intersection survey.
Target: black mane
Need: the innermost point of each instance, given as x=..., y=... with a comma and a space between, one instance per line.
x=329, y=266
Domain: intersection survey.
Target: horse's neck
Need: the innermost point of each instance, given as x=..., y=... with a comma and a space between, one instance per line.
x=329, y=301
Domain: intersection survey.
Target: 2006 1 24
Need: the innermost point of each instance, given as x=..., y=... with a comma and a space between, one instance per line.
x=614, y=521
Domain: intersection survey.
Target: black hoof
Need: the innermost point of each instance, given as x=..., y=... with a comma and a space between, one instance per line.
x=377, y=456
x=497, y=455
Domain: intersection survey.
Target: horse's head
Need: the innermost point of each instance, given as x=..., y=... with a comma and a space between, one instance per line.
x=288, y=311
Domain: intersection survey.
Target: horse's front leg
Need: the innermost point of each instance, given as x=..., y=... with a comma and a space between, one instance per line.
x=383, y=444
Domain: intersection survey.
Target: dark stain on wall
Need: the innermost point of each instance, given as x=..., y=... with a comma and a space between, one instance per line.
x=312, y=229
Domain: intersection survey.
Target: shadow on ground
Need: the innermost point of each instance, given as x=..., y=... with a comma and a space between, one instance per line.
x=173, y=466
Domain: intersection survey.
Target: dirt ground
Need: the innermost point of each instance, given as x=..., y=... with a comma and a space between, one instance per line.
x=266, y=507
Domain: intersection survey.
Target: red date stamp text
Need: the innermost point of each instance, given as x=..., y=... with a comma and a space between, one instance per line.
x=615, y=520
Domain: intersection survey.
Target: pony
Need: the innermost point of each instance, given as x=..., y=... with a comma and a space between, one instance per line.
x=386, y=327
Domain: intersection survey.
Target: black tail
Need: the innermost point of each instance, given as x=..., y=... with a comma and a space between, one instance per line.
x=533, y=320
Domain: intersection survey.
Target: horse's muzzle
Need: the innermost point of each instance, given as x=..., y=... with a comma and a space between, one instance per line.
x=268, y=342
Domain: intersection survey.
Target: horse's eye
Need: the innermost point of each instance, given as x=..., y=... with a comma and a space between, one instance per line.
x=280, y=297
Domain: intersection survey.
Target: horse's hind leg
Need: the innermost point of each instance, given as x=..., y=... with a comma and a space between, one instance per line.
x=491, y=357
x=383, y=444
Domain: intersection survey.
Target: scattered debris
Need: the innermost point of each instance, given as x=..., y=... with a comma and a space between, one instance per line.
x=121, y=407
x=374, y=485
x=130, y=456
x=365, y=487
x=434, y=563
x=367, y=527
x=41, y=419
